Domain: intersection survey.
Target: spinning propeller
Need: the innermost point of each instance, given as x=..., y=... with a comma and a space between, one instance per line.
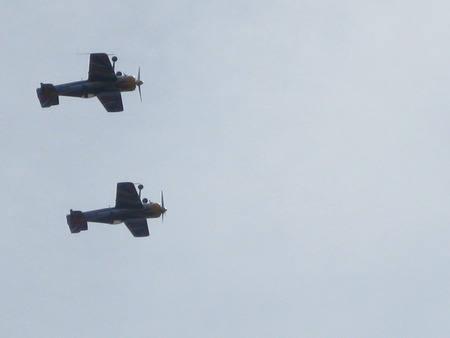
x=139, y=82
x=162, y=206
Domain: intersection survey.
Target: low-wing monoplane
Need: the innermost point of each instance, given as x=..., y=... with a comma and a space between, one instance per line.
x=102, y=82
x=128, y=209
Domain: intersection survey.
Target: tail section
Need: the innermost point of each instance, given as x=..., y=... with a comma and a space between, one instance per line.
x=47, y=95
x=76, y=221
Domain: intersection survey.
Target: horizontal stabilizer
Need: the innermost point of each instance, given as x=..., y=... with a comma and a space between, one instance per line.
x=47, y=95
x=76, y=221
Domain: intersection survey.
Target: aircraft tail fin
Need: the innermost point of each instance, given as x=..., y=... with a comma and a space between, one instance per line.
x=76, y=221
x=47, y=95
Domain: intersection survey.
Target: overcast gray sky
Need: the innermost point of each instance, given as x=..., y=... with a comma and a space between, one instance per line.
x=302, y=147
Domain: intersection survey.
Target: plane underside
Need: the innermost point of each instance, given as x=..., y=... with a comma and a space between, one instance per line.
x=129, y=209
x=107, y=92
x=102, y=82
x=136, y=223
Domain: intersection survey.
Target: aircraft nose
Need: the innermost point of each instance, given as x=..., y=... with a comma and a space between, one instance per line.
x=162, y=209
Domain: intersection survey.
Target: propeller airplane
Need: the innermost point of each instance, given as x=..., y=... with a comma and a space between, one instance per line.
x=128, y=209
x=102, y=82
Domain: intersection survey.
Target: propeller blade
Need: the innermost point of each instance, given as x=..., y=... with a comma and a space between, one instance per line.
x=139, y=82
x=162, y=206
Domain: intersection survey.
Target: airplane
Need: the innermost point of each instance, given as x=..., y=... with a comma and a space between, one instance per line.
x=102, y=82
x=128, y=209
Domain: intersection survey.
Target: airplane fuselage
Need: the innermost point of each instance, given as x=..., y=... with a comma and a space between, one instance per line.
x=88, y=89
x=116, y=216
x=128, y=209
x=102, y=82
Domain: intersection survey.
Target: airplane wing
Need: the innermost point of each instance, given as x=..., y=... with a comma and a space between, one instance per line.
x=137, y=226
x=112, y=101
x=127, y=196
x=100, y=68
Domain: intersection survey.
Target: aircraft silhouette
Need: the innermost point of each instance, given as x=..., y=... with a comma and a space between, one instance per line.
x=102, y=82
x=128, y=209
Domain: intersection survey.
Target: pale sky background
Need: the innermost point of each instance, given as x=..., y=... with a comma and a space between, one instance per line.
x=302, y=147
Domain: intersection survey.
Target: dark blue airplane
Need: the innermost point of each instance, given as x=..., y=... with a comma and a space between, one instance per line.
x=128, y=209
x=102, y=82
